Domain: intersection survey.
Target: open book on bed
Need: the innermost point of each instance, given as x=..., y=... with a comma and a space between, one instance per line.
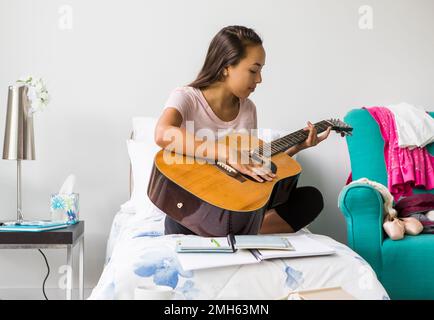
x=231, y=243
x=301, y=246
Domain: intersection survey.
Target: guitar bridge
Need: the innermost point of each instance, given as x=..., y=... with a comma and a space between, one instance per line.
x=229, y=171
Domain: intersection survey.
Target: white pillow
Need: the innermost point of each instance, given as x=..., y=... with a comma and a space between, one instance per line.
x=141, y=150
x=143, y=129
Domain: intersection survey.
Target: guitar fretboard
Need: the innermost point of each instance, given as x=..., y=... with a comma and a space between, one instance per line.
x=289, y=140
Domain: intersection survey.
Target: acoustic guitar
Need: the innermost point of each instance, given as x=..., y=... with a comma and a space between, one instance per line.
x=214, y=199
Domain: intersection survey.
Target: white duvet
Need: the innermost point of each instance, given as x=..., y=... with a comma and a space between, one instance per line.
x=139, y=253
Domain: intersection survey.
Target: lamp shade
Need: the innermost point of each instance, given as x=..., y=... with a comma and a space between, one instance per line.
x=19, y=140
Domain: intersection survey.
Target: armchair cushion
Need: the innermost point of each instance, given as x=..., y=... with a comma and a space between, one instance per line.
x=407, y=267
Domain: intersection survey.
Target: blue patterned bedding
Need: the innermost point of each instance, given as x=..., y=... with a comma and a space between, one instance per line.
x=139, y=253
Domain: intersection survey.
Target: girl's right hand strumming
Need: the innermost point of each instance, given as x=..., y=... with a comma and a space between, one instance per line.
x=241, y=161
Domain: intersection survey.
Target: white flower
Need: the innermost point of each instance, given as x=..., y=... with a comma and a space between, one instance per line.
x=32, y=94
x=44, y=96
x=39, y=86
x=35, y=107
x=37, y=92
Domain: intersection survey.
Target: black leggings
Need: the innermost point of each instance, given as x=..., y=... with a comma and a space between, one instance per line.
x=302, y=207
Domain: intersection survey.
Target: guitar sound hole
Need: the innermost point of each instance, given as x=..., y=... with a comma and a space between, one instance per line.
x=273, y=168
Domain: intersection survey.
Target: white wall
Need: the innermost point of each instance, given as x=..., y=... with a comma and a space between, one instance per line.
x=122, y=58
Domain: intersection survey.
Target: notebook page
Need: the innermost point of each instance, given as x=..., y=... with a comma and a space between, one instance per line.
x=303, y=247
x=194, y=261
x=195, y=242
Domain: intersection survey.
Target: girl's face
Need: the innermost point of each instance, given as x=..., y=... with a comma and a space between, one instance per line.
x=242, y=79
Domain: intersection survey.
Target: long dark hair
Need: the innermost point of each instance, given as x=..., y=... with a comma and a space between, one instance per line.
x=227, y=48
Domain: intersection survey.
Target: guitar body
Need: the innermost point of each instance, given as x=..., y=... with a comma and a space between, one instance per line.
x=210, y=202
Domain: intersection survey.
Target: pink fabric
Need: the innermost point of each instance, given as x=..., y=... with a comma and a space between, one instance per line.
x=349, y=179
x=405, y=168
x=192, y=105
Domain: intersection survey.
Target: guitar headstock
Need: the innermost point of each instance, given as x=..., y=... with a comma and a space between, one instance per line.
x=340, y=127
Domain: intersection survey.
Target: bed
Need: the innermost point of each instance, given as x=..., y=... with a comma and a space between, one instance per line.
x=138, y=253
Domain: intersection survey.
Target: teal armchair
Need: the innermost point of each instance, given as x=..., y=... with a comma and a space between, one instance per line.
x=404, y=267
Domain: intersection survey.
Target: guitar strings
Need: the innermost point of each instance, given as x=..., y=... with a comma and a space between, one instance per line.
x=289, y=140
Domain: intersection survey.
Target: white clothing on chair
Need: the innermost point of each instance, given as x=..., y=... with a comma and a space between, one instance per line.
x=385, y=193
x=414, y=126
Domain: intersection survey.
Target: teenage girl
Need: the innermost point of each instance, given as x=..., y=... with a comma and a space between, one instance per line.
x=218, y=100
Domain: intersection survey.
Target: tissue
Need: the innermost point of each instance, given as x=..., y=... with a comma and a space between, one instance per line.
x=64, y=205
x=68, y=185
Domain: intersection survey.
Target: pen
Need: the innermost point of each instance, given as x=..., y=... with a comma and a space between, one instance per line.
x=232, y=241
x=215, y=242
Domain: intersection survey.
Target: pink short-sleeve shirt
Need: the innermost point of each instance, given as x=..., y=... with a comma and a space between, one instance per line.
x=193, y=106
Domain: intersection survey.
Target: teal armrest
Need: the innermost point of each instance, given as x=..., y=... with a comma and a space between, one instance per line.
x=362, y=207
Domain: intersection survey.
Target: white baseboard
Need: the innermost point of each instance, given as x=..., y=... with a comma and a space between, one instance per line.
x=36, y=294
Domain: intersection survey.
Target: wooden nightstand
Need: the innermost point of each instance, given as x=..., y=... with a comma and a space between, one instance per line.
x=53, y=239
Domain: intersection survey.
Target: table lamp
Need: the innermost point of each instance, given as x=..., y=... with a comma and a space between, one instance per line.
x=19, y=141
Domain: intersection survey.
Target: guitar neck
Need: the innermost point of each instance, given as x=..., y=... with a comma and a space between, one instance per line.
x=292, y=139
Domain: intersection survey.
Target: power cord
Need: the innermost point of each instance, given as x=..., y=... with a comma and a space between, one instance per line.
x=48, y=273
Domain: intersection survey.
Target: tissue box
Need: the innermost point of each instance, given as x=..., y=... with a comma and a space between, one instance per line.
x=64, y=207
